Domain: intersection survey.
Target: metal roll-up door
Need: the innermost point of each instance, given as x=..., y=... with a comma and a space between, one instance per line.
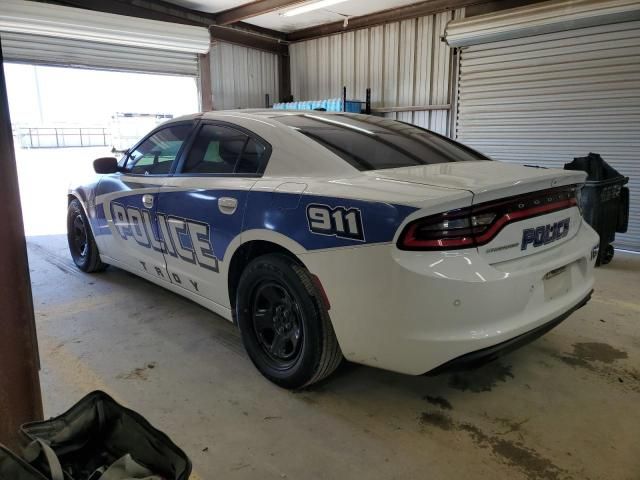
x=18, y=47
x=545, y=99
x=41, y=33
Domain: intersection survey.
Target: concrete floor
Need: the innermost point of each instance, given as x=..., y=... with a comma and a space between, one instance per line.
x=566, y=406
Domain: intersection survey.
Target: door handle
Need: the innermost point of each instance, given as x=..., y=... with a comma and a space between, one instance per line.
x=227, y=205
x=147, y=200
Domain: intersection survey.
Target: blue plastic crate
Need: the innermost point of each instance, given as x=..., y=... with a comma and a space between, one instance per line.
x=330, y=105
x=353, y=106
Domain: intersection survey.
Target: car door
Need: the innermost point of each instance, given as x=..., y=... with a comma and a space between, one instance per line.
x=203, y=204
x=126, y=202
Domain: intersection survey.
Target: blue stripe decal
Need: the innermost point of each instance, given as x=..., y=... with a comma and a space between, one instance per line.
x=284, y=213
x=380, y=220
x=202, y=206
x=99, y=222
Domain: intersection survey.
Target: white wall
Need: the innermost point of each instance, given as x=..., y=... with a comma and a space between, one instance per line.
x=405, y=63
x=241, y=76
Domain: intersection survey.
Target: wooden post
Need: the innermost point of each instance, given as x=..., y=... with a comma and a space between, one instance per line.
x=20, y=399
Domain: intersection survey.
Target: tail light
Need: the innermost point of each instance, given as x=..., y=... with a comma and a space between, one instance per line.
x=479, y=224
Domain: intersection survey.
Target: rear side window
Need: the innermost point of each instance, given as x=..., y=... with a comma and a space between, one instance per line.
x=156, y=154
x=251, y=158
x=219, y=149
x=373, y=143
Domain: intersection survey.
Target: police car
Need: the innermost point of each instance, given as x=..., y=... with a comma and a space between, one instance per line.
x=325, y=236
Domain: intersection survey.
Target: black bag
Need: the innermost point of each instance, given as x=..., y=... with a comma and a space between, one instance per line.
x=98, y=435
x=13, y=467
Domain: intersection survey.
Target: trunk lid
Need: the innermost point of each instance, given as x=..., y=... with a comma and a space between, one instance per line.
x=490, y=181
x=487, y=180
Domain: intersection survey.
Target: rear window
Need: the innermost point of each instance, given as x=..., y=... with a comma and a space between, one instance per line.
x=374, y=143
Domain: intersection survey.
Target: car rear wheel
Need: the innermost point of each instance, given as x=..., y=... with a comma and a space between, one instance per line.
x=285, y=326
x=82, y=245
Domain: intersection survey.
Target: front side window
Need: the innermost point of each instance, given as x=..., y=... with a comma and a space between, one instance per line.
x=374, y=143
x=219, y=149
x=157, y=153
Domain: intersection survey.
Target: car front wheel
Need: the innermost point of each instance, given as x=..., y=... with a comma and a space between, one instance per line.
x=285, y=327
x=82, y=245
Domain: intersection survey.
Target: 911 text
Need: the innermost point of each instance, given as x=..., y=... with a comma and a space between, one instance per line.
x=339, y=221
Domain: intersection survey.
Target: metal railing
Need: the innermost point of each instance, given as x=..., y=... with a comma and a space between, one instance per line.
x=59, y=137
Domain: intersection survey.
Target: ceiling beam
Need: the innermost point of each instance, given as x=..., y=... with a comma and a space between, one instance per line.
x=249, y=27
x=172, y=9
x=252, y=9
x=239, y=37
x=161, y=11
x=495, y=5
x=167, y=12
x=385, y=16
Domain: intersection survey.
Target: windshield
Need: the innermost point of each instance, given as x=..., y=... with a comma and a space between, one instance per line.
x=375, y=143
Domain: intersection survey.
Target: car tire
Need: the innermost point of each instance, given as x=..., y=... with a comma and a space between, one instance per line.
x=284, y=323
x=82, y=245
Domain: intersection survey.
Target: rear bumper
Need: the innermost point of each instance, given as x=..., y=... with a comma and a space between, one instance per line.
x=412, y=312
x=488, y=354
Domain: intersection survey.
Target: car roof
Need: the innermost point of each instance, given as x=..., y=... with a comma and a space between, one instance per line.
x=263, y=113
x=272, y=113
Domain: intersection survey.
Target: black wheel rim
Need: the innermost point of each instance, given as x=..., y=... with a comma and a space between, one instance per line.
x=79, y=236
x=277, y=322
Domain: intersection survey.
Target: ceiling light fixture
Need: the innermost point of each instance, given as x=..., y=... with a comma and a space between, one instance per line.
x=311, y=7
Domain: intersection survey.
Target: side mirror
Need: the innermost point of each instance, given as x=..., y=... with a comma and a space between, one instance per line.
x=105, y=165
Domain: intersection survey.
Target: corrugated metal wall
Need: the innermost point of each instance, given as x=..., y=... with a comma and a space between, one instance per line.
x=405, y=63
x=548, y=98
x=241, y=76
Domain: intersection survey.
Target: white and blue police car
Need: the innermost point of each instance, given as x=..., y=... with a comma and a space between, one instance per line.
x=325, y=236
